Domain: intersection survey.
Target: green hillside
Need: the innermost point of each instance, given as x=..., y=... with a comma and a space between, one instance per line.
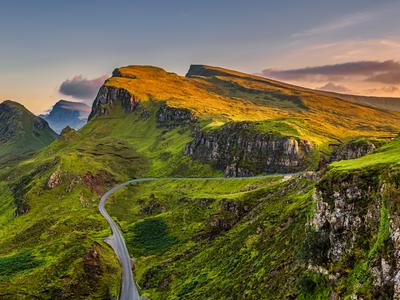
x=251, y=238
x=21, y=132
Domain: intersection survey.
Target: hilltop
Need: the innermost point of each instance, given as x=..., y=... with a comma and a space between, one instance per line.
x=226, y=95
x=257, y=237
x=21, y=132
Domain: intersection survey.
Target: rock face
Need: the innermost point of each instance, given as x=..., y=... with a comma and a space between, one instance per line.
x=353, y=150
x=109, y=97
x=170, y=116
x=239, y=150
x=354, y=213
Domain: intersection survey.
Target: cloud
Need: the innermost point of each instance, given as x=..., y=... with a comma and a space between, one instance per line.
x=340, y=23
x=392, y=77
x=81, y=88
x=332, y=87
x=376, y=71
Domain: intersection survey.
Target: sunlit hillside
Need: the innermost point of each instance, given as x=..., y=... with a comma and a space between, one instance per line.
x=225, y=95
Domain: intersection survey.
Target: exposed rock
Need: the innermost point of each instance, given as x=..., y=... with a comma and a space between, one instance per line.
x=350, y=209
x=354, y=149
x=240, y=150
x=92, y=264
x=21, y=188
x=231, y=212
x=338, y=209
x=54, y=180
x=171, y=116
x=151, y=208
x=109, y=97
x=145, y=114
x=98, y=183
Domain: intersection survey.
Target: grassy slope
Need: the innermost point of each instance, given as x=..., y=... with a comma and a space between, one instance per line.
x=387, y=155
x=65, y=219
x=182, y=255
x=379, y=173
x=231, y=95
x=66, y=222
x=27, y=138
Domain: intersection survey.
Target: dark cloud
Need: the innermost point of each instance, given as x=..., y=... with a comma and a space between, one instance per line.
x=331, y=87
x=82, y=88
x=377, y=71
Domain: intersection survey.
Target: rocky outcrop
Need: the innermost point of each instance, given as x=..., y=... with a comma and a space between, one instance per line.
x=170, y=116
x=356, y=228
x=239, y=150
x=111, y=97
x=353, y=150
x=23, y=186
x=54, y=180
x=230, y=213
x=100, y=182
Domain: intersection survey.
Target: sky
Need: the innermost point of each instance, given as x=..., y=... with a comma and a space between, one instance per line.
x=53, y=49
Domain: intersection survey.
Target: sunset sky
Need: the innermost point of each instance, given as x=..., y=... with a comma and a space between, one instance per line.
x=53, y=50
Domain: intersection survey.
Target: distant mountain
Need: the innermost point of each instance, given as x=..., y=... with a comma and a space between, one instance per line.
x=66, y=113
x=330, y=231
x=391, y=103
x=21, y=131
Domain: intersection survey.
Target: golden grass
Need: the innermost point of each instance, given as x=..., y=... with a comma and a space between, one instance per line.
x=328, y=116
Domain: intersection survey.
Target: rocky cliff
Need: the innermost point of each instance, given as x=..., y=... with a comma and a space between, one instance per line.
x=110, y=98
x=171, y=117
x=354, y=149
x=239, y=150
x=354, y=242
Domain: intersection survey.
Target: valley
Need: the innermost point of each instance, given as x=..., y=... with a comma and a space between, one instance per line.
x=261, y=190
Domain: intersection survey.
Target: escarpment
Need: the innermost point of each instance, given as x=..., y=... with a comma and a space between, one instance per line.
x=110, y=98
x=171, y=116
x=354, y=149
x=239, y=150
x=354, y=237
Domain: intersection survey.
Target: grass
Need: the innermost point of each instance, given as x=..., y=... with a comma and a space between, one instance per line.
x=209, y=97
x=62, y=225
x=22, y=137
x=149, y=236
x=191, y=239
x=262, y=236
x=14, y=264
x=387, y=155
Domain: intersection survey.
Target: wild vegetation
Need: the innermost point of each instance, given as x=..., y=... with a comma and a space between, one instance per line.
x=252, y=238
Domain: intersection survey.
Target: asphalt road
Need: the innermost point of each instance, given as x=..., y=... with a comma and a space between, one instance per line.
x=129, y=290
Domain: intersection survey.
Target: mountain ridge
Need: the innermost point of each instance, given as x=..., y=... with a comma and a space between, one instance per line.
x=67, y=113
x=255, y=237
x=21, y=131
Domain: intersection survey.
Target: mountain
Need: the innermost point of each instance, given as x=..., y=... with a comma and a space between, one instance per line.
x=21, y=132
x=390, y=103
x=66, y=113
x=322, y=225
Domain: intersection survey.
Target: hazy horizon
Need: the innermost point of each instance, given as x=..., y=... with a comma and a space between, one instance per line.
x=65, y=50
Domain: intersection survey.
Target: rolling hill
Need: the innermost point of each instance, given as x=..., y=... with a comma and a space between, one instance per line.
x=255, y=238
x=21, y=132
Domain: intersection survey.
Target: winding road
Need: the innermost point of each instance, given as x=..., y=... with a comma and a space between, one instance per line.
x=129, y=290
